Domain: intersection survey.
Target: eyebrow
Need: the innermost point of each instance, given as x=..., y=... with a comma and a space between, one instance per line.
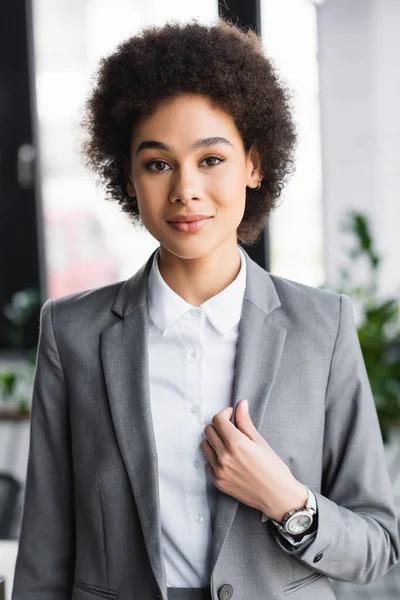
x=210, y=141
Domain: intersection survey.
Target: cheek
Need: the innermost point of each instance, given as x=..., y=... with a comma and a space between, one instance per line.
x=232, y=183
x=149, y=210
x=230, y=195
x=234, y=177
x=145, y=186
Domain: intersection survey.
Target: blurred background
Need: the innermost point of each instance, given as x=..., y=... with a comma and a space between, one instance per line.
x=337, y=226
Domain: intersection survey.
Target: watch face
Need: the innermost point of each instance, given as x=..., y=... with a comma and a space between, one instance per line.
x=299, y=523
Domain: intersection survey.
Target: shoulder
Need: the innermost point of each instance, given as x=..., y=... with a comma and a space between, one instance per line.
x=80, y=311
x=290, y=290
x=310, y=306
x=91, y=297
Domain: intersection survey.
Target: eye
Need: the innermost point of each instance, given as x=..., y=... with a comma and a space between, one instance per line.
x=162, y=162
x=156, y=162
x=219, y=158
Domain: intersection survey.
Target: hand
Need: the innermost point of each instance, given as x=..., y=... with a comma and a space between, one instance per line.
x=242, y=464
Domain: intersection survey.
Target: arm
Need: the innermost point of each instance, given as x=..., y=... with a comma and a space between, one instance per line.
x=358, y=536
x=45, y=560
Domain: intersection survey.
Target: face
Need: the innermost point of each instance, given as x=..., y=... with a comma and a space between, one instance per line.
x=188, y=158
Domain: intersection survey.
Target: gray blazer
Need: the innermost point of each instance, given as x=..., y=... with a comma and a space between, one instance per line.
x=91, y=523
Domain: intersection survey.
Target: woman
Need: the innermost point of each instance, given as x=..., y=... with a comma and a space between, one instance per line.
x=147, y=476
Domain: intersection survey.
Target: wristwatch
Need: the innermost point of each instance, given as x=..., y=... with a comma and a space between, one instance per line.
x=298, y=520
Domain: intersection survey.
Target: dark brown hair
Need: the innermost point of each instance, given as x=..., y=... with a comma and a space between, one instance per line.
x=222, y=62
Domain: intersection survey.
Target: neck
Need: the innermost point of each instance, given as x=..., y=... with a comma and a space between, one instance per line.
x=198, y=279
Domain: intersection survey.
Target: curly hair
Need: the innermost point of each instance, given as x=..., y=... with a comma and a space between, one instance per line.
x=222, y=62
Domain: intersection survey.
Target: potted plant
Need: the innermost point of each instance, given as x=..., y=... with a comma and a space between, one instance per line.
x=16, y=380
x=379, y=326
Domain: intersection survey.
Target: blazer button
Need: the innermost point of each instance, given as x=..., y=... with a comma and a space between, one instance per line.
x=318, y=557
x=226, y=592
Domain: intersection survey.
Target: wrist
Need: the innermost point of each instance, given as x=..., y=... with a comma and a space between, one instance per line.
x=297, y=497
x=300, y=521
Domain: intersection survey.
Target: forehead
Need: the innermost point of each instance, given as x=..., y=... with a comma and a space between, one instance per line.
x=186, y=117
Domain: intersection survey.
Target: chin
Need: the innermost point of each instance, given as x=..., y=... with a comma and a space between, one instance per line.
x=188, y=249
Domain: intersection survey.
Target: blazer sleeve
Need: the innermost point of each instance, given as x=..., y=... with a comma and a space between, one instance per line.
x=358, y=536
x=45, y=559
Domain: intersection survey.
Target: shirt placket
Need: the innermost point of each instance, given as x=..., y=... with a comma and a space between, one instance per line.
x=195, y=481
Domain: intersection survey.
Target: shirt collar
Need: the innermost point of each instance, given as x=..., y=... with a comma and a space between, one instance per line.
x=222, y=310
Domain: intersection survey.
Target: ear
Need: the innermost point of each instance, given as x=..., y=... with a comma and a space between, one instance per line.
x=128, y=179
x=253, y=167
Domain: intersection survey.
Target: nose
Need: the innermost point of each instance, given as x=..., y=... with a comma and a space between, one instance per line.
x=184, y=186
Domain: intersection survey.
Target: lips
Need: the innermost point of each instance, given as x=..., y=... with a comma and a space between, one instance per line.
x=191, y=226
x=188, y=218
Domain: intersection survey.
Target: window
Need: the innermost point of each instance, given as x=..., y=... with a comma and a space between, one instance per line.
x=89, y=241
x=289, y=32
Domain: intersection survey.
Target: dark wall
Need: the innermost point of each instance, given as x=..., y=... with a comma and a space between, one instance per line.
x=246, y=13
x=19, y=260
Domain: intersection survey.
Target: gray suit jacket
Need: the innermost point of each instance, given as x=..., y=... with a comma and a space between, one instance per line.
x=91, y=524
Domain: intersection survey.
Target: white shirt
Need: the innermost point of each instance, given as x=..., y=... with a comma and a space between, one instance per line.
x=192, y=352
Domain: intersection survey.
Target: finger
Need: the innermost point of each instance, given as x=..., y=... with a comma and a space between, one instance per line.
x=209, y=453
x=246, y=425
x=214, y=439
x=226, y=430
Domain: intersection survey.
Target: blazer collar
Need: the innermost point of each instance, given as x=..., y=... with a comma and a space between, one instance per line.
x=259, y=289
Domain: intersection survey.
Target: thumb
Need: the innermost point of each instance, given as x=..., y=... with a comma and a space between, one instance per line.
x=246, y=425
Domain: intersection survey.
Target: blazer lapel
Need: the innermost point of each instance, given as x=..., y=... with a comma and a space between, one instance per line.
x=124, y=355
x=260, y=345
x=125, y=362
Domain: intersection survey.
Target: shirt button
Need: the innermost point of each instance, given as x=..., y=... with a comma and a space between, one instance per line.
x=196, y=312
x=194, y=408
x=196, y=464
x=195, y=354
x=199, y=518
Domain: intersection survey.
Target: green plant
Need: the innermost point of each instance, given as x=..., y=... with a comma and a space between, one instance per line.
x=19, y=312
x=16, y=384
x=16, y=380
x=379, y=327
